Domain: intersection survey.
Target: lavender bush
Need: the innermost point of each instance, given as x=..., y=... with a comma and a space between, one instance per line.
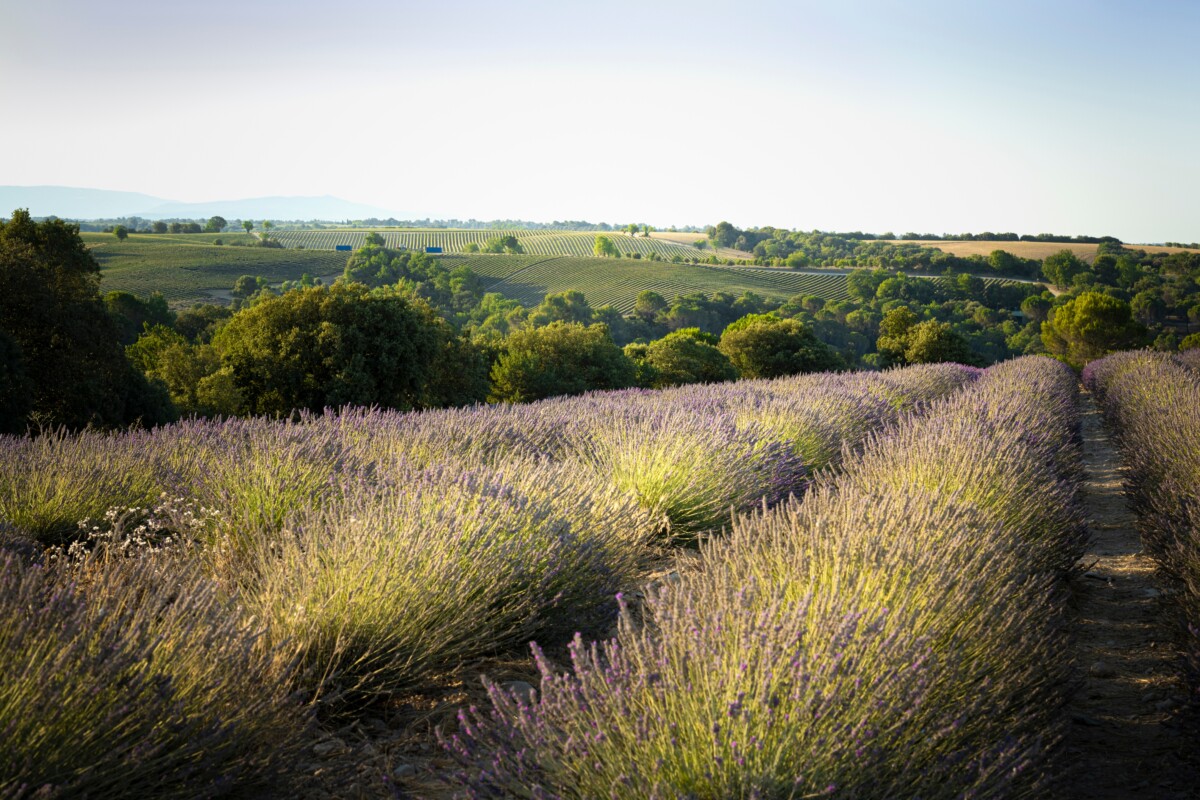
x=133, y=677
x=50, y=483
x=393, y=584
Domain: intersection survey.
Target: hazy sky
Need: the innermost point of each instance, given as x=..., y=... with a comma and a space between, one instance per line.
x=1069, y=117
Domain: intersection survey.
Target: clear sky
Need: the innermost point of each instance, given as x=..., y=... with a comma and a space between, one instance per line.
x=928, y=115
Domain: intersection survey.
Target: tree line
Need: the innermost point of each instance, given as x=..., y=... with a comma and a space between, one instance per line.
x=403, y=330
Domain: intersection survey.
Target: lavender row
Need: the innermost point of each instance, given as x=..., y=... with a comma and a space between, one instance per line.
x=1153, y=402
x=896, y=633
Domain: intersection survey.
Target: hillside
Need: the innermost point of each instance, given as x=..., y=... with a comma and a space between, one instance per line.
x=533, y=242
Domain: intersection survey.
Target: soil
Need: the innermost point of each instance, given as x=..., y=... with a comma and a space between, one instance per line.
x=1126, y=738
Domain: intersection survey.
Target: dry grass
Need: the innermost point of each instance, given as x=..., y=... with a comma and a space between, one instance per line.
x=685, y=237
x=1038, y=250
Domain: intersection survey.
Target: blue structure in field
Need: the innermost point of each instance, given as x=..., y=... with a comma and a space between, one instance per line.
x=341, y=247
x=433, y=249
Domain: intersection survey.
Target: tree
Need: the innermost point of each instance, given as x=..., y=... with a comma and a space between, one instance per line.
x=159, y=227
x=1090, y=326
x=1148, y=307
x=724, y=234
x=563, y=358
x=761, y=346
x=267, y=225
x=132, y=314
x=569, y=306
x=862, y=284
x=1061, y=268
x=121, y=232
x=247, y=285
x=331, y=346
x=649, y=305
x=933, y=342
x=215, y=225
x=248, y=225
x=1036, y=308
x=503, y=244
x=893, y=335
x=685, y=356
x=374, y=239
x=166, y=357
x=56, y=340
x=604, y=248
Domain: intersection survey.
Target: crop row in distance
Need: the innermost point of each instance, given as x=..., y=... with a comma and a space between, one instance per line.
x=545, y=243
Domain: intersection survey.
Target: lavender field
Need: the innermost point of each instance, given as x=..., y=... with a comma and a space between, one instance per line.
x=843, y=585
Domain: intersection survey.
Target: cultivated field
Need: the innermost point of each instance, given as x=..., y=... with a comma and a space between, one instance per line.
x=534, y=242
x=617, y=282
x=345, y=604
x=189, y=269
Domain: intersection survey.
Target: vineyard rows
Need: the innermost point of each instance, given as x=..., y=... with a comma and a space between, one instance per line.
x=543, y=243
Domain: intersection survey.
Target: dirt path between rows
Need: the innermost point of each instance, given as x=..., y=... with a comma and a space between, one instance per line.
x=1124, y=740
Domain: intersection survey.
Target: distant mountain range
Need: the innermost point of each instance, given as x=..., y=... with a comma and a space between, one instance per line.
x=83, y=204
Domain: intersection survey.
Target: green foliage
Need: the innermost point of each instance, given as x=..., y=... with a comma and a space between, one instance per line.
x=682, y=357
x=503, y=244
x=455, y=290
x=320, y=347
x=562, y=358
x=215, y=224
x=1061, y=268
x=766, y=347
x=199, y=323
x=933, y=342
x=132, y=314
x=569, y=306
x=903, y=339
x=604, y=248
x=121, y=232
x=166, y=357
x=1090, y=326
x=1036, y=308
